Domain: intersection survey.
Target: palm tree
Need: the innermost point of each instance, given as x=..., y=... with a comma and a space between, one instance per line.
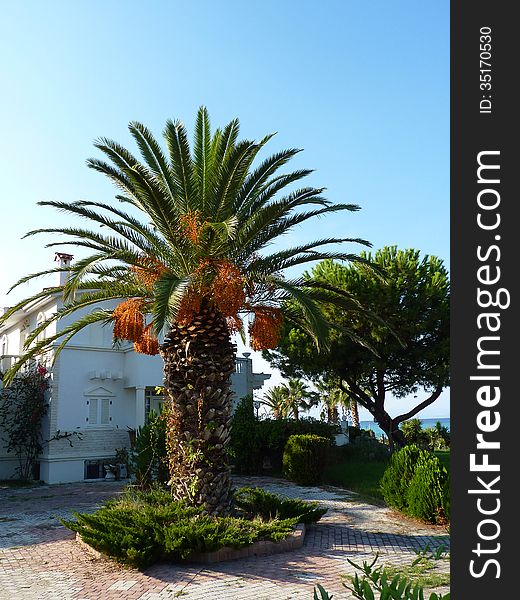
x=276, y=400
x=330, y=401
x=184, y=252
x=333, y=398
x=298, y=397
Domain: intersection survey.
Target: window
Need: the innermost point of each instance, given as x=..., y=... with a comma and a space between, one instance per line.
x=152, y=401
x=39, y=320
x=99, y=412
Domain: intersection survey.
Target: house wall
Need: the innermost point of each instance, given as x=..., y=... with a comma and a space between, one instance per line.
x=15, y=335
x=81, y=375
x=90, y=367
x=8, y=463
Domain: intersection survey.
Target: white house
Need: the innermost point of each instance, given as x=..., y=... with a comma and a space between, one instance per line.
x=98, y=390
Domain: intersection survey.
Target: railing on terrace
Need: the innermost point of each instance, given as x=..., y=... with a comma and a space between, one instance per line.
x=8, y=360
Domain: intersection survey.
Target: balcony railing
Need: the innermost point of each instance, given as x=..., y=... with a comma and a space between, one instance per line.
x=8, y=360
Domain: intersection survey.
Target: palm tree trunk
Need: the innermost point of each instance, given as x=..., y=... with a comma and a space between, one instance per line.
x=198, y=361
x=354, y=412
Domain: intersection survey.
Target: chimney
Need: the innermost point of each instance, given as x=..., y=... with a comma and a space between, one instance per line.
x=64, y=260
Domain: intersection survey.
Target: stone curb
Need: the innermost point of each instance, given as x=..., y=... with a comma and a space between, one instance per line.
x=95, y=553
x=262, y=548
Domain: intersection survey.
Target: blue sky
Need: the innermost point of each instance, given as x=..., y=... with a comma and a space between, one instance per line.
x=361, y=86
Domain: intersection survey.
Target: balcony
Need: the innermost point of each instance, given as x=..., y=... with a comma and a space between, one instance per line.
x=8, y=360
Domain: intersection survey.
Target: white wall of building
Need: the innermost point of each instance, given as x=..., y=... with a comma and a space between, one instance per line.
x=91, y=373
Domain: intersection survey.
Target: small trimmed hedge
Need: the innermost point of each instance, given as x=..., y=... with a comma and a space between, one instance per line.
x=417, y=484
x=305, y=458
x=142, y=527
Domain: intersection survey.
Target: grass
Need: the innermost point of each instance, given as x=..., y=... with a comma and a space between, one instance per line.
x=359, y=475
x=354, y=472
x=422, y=573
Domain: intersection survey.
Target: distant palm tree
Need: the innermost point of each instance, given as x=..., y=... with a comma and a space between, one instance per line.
x=298, y=397
x=276, y=400
x=188, y=258
x=334, y=398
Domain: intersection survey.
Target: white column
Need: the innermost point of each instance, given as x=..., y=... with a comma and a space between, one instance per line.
x=139, y=406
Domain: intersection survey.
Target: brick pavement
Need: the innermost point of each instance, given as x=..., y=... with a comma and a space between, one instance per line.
x=40, y=560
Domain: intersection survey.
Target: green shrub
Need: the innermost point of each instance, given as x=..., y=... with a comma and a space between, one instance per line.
x=206, y=534
x=446, y=498
x=253, y=442
x=255, y=502
x=368, y=447
x=397, y=476
x=131, y=529
x=428, y=493
x=305, y=458
x=149, y=462
x=143, y=526
x=244, y=448
x=417, y=484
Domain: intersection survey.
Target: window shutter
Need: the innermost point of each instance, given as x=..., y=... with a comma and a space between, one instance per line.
x=92, y=411
x=105, y=411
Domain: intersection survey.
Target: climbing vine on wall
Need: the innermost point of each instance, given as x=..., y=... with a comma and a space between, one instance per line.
x=22, y=408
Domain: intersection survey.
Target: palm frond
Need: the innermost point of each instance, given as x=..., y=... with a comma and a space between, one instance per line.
x=181, y=164
x=169, y=291
x=202, y=155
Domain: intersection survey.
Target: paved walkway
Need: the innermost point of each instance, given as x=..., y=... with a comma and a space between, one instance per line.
x=40, y=560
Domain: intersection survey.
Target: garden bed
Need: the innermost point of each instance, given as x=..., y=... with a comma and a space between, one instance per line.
x=143, y=527
x=261, y=548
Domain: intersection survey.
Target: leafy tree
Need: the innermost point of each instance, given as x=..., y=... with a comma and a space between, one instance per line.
x=185, y=253
x=402, y=348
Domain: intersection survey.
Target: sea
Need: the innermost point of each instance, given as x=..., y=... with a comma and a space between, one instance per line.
x=426, y=424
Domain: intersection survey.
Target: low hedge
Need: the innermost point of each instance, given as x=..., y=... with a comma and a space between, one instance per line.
x=257, y=503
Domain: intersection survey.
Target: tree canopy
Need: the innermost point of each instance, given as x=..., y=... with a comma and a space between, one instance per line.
x=205, y=220
x=400, y=346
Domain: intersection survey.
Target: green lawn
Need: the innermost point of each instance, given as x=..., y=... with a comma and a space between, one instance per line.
x=359, y=475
